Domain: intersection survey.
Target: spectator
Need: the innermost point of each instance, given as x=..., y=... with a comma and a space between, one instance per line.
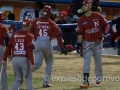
x=11, y=28
x=63, y=18
x=68, y=33
x=38, y=9
x=11, y=16
x=53, y=16
x=39, y=12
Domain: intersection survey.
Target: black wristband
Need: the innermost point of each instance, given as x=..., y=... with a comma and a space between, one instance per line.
x=79, y=44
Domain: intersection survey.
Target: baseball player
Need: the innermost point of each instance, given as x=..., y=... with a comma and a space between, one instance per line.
x=45, y=30
x=92, y=26
x=22, y=44
x=3, y=37
x=76, y=6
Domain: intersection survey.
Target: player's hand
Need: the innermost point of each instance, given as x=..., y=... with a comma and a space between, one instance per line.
x=9, y=58
x=104, y=36
x=79, y=10
x=32, y=68
x=79, y=49
x=64, y=51
x=3, y=62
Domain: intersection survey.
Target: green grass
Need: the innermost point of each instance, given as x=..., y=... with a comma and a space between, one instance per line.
x=37, y=82
x=23, y=87
x=70, y=66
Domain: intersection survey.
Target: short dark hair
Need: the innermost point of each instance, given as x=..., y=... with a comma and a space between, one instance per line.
x=11, y=16
x=40, y=4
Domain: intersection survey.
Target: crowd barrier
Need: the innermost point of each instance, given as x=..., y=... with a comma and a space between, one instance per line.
x=108, y=43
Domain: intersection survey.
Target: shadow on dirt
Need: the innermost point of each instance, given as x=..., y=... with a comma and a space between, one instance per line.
x=111, y=63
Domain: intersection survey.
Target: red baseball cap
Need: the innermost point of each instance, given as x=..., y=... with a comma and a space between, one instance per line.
x=87, y=2
x=63, y=15
x=27, y=22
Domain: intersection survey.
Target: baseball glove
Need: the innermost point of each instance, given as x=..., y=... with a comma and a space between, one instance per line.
x=69, y=47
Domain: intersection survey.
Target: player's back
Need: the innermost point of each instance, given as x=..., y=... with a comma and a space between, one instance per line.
x=44, y=28
x=18, y=43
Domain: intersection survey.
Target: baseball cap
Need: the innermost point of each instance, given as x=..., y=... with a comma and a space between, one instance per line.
x=87, y=2
x=63, y=15
x=27, y=22
x=47, y=10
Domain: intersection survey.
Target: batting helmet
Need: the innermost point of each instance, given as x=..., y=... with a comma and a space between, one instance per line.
x=27, y=22
x=1, y=17
x=47, y=10
x=69, y=47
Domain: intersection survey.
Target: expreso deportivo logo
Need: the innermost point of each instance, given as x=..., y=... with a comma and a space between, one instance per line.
x=27, y=12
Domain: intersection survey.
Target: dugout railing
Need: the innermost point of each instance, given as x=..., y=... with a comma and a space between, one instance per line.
x=107, y=44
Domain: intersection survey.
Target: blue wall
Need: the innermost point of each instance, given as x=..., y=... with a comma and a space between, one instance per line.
x=103, y=4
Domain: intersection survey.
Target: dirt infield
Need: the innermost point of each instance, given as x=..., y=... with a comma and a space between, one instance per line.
x=67, y=73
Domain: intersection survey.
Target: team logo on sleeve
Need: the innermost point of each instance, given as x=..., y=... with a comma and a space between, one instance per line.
x=84, y=23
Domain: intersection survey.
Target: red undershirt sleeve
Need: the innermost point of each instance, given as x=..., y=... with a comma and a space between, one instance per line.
x=30, y=55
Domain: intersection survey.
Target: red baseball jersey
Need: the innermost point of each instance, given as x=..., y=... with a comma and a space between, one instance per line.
x=3, y=33
x=45, y=28
x=91, y=27
x=19, y=43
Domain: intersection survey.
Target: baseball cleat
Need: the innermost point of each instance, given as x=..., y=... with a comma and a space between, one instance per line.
x=85, y=86
x=46, y=85
x=98, y=84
